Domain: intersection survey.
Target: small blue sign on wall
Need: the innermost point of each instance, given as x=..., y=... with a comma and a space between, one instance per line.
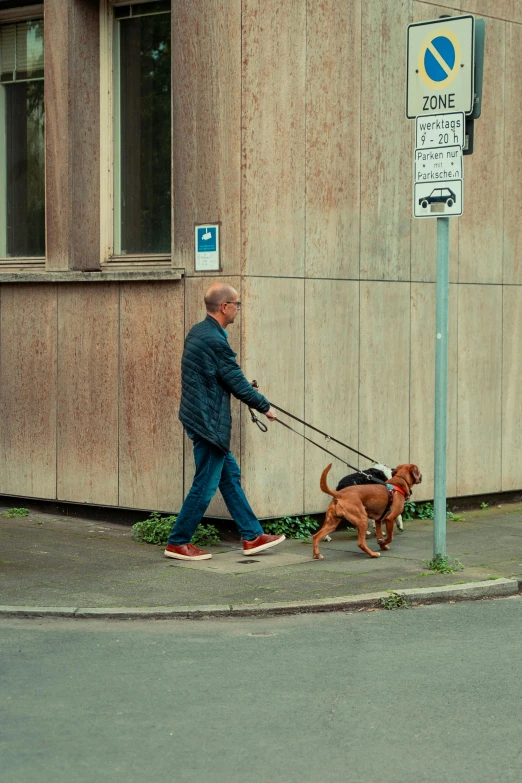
x=207, y=239
x=206, y=245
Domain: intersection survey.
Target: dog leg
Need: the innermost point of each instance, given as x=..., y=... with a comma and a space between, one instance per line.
x=362, y=527
x=389, y=533
x=378, y=530
x=329, y=525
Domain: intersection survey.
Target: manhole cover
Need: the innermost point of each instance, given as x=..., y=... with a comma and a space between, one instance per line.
x=247, y=562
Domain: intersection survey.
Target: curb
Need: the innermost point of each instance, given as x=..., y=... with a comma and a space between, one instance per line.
x=470, y=591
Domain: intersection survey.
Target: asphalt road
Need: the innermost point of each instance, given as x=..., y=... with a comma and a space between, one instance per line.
x=425, y=694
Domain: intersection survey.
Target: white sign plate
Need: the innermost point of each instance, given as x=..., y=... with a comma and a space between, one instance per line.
x=440, y=66
x=437, y=199
x=440, y=130
x=440, y=163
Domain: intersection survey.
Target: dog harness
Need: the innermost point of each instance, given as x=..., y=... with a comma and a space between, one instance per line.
x=391, y=489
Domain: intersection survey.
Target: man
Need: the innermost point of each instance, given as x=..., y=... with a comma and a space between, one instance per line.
x=209, y=374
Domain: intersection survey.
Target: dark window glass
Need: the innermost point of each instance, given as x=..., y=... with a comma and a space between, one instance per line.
x=124, y=11
x=143, y=172
x=22, y=178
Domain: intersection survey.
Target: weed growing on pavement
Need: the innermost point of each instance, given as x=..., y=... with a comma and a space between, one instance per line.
x=394, y=601
x=443, y=565
x=15, y=512
x=292, y=527
x=484, y=505
x=156, y=530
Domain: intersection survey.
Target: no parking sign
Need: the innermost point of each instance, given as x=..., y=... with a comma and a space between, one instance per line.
x=440, y=66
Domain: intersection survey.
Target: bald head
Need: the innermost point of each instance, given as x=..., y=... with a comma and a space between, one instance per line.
x=217, y=294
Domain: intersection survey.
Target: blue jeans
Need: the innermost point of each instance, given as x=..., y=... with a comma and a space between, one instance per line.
x=214, y=470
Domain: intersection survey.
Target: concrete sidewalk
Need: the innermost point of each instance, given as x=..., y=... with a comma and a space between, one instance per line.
x=52, y=564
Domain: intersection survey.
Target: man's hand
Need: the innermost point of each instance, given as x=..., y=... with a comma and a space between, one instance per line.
x=271, y=414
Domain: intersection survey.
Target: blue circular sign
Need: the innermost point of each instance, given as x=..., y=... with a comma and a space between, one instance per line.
x=439, y=58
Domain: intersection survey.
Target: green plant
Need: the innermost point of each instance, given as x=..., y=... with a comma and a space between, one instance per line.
x=484, y=505
x=414, y=510
x=206, y=535
x=292, y=527
x=16, y=512
x=156, y=530
x=454, y=517
x=425, y=511
x=443, y=565
x=408, y=512
x=394, y=601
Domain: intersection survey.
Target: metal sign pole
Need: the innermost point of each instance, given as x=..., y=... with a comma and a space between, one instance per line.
x=441, y=386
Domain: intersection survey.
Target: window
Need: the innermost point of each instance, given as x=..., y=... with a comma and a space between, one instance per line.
x=142, y=128
x=22, y=179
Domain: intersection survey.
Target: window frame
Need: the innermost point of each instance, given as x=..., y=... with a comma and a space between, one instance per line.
x=12, y=16
x=109, y=145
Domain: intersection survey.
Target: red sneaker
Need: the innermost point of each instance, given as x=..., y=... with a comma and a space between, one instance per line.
x=186, y=552
x=260, y=543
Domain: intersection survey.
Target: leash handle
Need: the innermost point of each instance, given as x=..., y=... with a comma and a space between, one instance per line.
x=262, y=426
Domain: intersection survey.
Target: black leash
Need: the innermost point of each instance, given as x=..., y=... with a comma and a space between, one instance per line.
x=264, y=428
x=328, y=437
x=288, y=427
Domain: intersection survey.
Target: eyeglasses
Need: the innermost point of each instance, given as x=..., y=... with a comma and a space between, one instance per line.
x=237, y=304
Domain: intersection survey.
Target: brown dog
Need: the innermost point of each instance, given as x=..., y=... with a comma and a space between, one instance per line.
x=359, y=503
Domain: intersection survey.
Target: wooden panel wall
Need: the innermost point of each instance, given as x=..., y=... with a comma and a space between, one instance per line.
x=422, y=387
x=512, y=173
x=206, y=89
x=479, y=447
x=273, y=138
x=386, y=143
x=150, y=434
x=72, y=134
x=331, y=400
x=333, y=113
x=89, y=393
x=509, y=10
x=511, y=387
x=87, y=384
x=273, y=353
x=28, y=390
x=482, y=224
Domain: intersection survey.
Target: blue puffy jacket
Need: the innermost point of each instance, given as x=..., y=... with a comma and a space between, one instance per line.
x=209, y=375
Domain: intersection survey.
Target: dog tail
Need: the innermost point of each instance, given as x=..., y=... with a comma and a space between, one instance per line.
x=324, y=485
